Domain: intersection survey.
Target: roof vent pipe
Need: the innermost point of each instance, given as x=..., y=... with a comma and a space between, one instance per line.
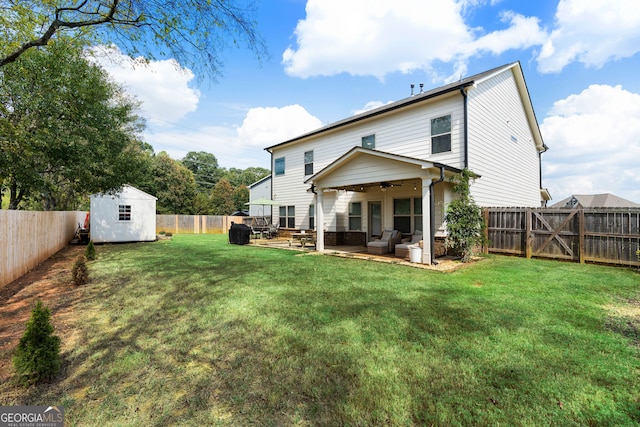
x=412, y=86
x=421, y=86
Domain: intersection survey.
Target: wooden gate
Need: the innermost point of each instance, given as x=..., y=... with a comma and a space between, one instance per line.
x=554, y=234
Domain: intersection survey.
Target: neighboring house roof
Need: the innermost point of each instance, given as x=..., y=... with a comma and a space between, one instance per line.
x=427, y=95
x=260, y=181
x=605, y=200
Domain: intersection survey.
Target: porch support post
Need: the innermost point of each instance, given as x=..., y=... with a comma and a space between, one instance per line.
x=319, y=220
x=426, y=221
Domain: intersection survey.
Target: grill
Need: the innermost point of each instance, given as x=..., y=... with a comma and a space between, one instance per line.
x=239, y=234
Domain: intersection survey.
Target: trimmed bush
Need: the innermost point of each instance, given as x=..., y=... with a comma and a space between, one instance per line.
x=80, y=272
x=90, y=252
x=37, y=357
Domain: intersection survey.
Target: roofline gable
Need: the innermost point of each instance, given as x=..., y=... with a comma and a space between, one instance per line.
x=118, y=192
x=463, y=84
x=358, y=151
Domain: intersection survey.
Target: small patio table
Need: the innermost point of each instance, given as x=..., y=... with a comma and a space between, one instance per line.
x=303, y=238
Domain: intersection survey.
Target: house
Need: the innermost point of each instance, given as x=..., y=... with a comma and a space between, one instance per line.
x=260, y=189
x=605, y=200
x=128, y=215
x=390, y=167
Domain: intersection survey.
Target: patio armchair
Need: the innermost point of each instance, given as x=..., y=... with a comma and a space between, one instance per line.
x=385, y=244
x=402, y=248
x=274, y=230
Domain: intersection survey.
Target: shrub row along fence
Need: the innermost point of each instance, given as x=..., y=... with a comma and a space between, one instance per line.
x=603, y=235
x=27, y=238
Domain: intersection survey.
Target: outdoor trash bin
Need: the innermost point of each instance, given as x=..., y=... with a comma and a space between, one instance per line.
x=415, y=253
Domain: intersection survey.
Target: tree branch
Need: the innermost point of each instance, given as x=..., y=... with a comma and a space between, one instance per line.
x=58, y=24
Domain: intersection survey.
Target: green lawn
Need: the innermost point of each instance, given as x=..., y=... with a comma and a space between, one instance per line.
x=194, y=331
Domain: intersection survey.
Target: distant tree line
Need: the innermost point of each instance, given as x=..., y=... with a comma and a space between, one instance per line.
x=68, y=131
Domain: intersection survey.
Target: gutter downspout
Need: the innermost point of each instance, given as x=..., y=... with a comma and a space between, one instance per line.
x=432, y=215
x=271, y=168
x=466, y=132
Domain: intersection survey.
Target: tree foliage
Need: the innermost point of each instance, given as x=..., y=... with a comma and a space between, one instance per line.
x=222, y=202
x=37, y=357
x=66, y=130
x=173, y=184
x=204, y=167
x=194, y=32
x=465, y=225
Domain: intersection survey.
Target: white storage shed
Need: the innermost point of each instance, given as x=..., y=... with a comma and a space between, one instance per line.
x=126, y=216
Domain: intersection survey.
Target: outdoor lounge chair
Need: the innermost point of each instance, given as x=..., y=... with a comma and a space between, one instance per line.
x=274, y=230
x=402, y=248
x=385, y=244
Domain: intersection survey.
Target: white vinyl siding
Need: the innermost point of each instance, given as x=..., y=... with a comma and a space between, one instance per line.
x=501, y=147
x=404, y=132
x=509, y=169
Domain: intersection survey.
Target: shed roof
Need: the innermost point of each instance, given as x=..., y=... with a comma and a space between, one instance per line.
x=128, y=189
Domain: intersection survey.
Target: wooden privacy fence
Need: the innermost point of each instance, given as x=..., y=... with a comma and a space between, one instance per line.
x=27, y=238
x=604, y=235
x=195, y=224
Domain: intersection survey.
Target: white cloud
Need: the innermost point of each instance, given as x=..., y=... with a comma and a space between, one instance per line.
x=263, y=127
x=591, y=32
x=371, y=105
x=594, y=140
x=240, y=147
x=361, y=37
x=161, y=86
x=522, y=33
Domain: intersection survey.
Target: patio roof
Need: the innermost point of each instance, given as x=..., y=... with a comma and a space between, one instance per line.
x=361, y=168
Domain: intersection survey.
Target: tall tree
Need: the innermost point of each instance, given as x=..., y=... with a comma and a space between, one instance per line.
x=222, y=202
x=173, y=184
x=66, y=130
x=238, y=177
x=204, y=167
x=192, y=31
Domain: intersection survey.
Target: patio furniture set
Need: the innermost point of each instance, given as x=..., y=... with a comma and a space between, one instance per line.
x=392, y=241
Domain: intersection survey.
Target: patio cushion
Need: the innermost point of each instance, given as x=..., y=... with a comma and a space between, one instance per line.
x=385, y=244
x=402, y=249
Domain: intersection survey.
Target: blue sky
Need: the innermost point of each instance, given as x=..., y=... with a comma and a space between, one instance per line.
x=330, y=59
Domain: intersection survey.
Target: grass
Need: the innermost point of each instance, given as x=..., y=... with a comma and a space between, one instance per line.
x=192, y=331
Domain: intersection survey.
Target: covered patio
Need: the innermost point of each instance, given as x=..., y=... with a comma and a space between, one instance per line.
x=375, y=181
x=445, y=263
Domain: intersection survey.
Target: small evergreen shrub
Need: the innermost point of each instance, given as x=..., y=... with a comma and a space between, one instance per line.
x=37, y=357
x=90, y=252
x=80, y=272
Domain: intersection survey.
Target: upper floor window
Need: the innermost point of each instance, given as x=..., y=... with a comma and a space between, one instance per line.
x=441, y=134
x=369, y=141
x=279, y=166
x=308, y=162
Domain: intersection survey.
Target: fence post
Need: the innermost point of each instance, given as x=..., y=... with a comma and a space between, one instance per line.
x=528, y=234
x=485, y=215
x=581, y=239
